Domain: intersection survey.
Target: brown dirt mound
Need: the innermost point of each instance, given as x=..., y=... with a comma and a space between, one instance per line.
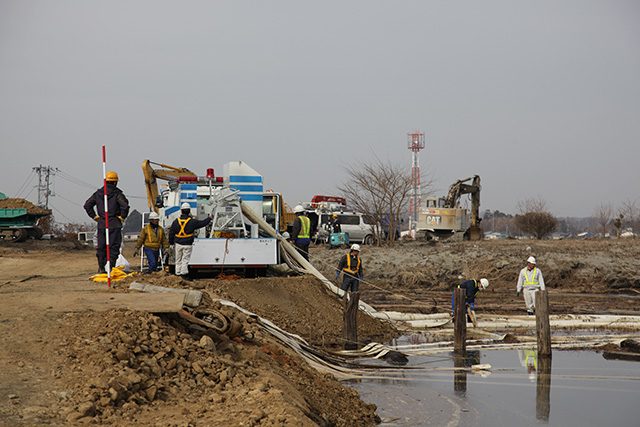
x=300, y=305
x=11, y=203
x=132, y=367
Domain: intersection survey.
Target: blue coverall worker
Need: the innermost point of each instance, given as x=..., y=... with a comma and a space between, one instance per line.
x=471, y=289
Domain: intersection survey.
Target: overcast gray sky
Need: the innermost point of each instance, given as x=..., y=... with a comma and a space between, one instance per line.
x=540, y=98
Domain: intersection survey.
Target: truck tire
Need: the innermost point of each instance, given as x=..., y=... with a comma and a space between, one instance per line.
x=35, y=232
x=20, y=235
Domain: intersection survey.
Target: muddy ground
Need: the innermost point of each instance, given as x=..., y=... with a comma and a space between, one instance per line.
x=68, y=366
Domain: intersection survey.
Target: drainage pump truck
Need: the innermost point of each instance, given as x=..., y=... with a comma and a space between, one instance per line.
x=231, y=243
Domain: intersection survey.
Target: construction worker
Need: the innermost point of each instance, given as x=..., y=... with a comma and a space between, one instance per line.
x=181, y=235
x=334, y=224
x=118, y=209
x=529, y=281
x=301, y=232
x=471, y=289
x=351, y=265
x=152, y=237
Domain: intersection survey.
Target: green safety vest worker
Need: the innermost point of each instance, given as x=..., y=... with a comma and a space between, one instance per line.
x=305, y=228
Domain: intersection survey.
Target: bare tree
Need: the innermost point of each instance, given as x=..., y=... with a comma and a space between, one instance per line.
x=631, y=214
x=603, y=213
x=534, y=218
x=381, y=191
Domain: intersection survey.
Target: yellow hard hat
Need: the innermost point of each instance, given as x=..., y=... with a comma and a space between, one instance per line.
x=112, y=176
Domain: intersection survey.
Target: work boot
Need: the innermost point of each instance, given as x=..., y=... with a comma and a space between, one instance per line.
x=101, y=262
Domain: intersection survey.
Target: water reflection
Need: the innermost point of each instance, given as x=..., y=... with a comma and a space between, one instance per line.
x=543, y=389
x=463, y=360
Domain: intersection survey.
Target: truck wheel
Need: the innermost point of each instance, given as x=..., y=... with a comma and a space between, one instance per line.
x=20, y=235
x=368, y=240
x=35, y=232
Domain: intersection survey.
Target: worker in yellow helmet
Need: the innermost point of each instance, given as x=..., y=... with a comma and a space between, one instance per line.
x=118, y=209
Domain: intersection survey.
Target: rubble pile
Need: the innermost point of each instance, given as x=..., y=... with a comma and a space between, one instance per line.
x=134, y=366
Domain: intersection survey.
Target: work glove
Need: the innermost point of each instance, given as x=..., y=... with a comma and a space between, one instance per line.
x=96, y=218
x=518, y=293
x=337, y=275
x=136, y=251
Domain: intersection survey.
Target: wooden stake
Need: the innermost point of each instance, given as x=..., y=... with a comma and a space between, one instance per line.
x=543, y=328
x=350, y=317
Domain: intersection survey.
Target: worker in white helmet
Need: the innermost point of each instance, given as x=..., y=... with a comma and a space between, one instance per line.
x=301, y=232
x=471, y=289
x=530, y=280
x=152, y=237
x=181, y=235
x=351, y=265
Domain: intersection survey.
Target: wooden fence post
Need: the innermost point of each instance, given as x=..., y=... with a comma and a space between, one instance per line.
x=460, y=322
x=350, y=317
x=543, y=330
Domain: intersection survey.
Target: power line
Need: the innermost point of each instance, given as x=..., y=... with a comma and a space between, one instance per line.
x=60, y=212
x=75, y=180
x=27, y=181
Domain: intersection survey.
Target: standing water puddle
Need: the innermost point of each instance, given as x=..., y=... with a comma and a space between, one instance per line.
x=582, y=389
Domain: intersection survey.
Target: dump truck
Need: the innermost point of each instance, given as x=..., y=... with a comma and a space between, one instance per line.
x=442, y=217
x=19, y=219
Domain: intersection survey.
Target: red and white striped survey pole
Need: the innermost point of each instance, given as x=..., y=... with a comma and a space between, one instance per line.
x=106, y=213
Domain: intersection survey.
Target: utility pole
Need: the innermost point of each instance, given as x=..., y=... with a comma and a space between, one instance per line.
x=44, y=184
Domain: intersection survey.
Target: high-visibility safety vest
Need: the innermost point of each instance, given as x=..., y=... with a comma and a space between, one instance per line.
x=183, y=224
x=476, y=287
x=528, y=281
x=305, y=227
x=348, y=269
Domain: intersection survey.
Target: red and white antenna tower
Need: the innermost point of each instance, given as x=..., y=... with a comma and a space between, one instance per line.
x=415, y=144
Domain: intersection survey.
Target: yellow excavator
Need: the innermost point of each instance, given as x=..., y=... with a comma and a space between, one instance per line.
x=442, y=216
x=151, y=175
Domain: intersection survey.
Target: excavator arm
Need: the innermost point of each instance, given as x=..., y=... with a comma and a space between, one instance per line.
x=151, y=175
x=459, y=188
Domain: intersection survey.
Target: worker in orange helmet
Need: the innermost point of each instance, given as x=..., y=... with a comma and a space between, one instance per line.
x=118, y=210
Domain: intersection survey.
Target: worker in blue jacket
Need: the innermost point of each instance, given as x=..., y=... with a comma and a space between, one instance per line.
x=471, y=289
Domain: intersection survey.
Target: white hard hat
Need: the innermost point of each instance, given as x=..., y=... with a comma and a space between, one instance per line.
x=355, y=247
x=298, y=209
x=484, y=283
x=185, y=205
x=531, y=259
x=154, y=215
